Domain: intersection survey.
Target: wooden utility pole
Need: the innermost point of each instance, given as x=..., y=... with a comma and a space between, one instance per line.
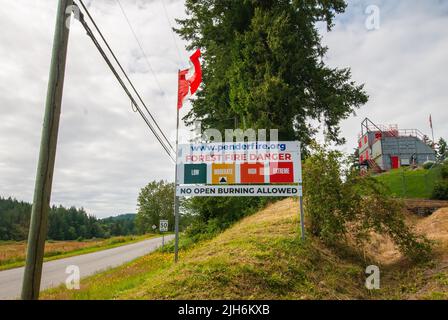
x=47, y=154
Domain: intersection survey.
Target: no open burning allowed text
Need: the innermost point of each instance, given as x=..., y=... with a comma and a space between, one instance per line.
x=240, y=191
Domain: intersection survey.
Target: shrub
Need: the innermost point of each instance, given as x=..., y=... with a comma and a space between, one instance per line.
x=342, y=203
x=428, y=165
x=444, y=170
x=116, y=240
x=322, y=184
x=440, y=191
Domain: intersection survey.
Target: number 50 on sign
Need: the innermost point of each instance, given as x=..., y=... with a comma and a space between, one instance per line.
x=163, y=226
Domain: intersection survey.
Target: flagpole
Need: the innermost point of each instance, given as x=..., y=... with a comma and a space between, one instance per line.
x=184, y=86
x=433, y=141
x=176, y=198
x=432, y=130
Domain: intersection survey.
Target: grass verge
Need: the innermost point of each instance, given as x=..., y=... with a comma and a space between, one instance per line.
x=12, y=254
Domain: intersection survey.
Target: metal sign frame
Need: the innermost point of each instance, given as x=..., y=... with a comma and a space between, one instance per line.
x=239, y=169
x=230, y=158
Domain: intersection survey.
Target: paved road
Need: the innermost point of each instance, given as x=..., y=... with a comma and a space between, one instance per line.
x=54, y=271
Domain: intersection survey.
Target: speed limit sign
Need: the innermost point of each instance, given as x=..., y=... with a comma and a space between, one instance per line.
x=163, y=226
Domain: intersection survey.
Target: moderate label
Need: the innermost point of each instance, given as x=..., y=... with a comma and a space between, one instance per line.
x=223, y=173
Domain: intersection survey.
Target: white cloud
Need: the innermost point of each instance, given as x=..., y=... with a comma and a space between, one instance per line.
x=403, y=64
x=106, y=153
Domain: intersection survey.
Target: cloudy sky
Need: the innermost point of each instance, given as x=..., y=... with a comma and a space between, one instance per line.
x=105, y=151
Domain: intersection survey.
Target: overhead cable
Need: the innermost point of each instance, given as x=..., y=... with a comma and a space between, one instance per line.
x=168, y=148
x=124, y=72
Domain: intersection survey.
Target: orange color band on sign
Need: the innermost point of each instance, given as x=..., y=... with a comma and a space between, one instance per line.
x=223, y=173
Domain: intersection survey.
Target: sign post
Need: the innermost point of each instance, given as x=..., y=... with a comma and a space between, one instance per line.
x=302, y=212
x=241, y=169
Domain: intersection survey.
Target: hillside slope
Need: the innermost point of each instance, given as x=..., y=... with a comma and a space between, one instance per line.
x=260, y=257
x=412, y=184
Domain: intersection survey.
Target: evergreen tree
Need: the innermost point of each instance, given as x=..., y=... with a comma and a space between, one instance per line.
x=353, y=160
x=63, y=224
x=264, y=67
x=442, y=150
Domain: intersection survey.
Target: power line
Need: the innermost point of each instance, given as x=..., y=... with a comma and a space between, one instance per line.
x=169, y=148
x=140, y=45
x=124, y=72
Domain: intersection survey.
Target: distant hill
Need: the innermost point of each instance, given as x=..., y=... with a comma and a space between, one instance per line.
x=124, y=216
x=123, y=224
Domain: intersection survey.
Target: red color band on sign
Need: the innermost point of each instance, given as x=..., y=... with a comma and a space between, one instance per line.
x=281, y=172
x=251, y=173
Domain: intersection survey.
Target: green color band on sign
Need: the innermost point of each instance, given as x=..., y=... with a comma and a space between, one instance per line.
x=195, y=173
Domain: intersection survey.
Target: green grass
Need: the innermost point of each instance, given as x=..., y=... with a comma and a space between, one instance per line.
x=260, y=257
x=49, y=256
x=411, y=184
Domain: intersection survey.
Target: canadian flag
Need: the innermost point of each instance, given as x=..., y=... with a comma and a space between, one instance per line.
x=189, y=85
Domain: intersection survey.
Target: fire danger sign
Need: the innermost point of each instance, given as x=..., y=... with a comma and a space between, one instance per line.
x=239, y=169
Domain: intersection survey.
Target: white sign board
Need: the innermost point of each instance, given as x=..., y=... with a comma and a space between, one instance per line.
x=163, y=226
x=239, y=169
